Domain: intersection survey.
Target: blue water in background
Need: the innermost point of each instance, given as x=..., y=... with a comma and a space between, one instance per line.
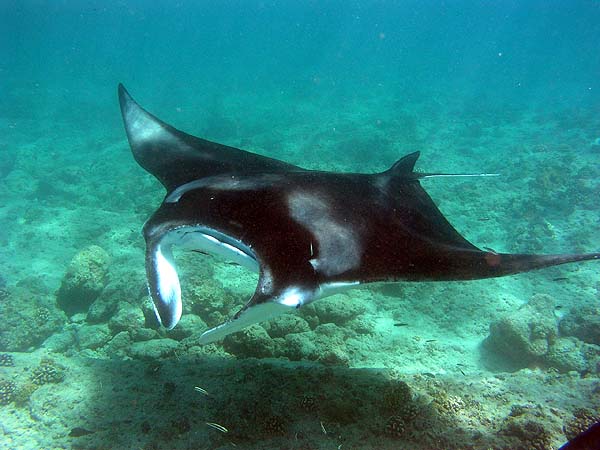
x=64, y=58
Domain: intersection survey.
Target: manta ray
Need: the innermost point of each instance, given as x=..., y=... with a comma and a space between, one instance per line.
x=308, y=233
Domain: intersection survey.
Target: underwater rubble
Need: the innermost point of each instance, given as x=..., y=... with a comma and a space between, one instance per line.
x=106, y=373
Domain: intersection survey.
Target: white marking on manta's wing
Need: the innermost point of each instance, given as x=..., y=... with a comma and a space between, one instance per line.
x=143, y=128
x=339, y=247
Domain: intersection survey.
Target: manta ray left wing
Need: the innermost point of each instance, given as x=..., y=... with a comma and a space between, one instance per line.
x=176, y=158
x=308, y=233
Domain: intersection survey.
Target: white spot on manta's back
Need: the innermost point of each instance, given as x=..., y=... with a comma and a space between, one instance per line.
x=339, y=247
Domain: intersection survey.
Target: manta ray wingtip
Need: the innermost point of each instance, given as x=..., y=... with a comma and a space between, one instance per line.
x=125, y=99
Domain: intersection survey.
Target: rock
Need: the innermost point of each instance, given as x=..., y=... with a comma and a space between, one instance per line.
x=85, y=278
x=119, y=345
x=61, y=342
x=103, y=308
x=128, y=318
x=207, y=298
x=77, y=318
x=250, y=342
x=300, y=347
x=188, y=325
x=525, y=336
x=331, y=331
x=583, y=323
x=334, y=357
x=92, y=336
x=150, y=319
x=286, y=324
x=338, y=309
x=143, y=334
x=565, y=355
x=127, y=288
x=153, y=349
x=361, y=325
x=27, y=320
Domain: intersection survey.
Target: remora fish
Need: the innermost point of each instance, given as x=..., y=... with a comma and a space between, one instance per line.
x=308, y=233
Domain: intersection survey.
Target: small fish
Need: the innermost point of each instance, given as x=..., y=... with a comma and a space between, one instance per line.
x=400, y=324
x=484, y=219
x=430, y=340
x=79, y=431
x=323, y=428
x=560, y=279
x=218, y=427
x=202, y=391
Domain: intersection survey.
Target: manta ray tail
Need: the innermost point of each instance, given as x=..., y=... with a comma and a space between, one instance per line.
x=500, y=264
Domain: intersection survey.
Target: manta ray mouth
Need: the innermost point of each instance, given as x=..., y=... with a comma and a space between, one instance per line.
x=163, y=279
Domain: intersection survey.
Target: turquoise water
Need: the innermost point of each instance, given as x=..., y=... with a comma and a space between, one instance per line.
x=501, y=87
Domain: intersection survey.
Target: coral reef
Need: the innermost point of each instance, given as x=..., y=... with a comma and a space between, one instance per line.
x=286, y=324
x=129, y=317
x=23, y=393
x=529, y=336
x=6, y=360
x=582, y=419
x=583, y=323
x=338, y=309
x=92, y=336
x=7, y=391
x=526, y=435
x=396, y=396
x=153, y=349
x=84, y=280
x=395, y=426
x=28, y=319
x=47, y=372
x=526, y=335
x=274, y=425
x=253, y=341
x=206, y=298
x=189, y=325
x=566, y=354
